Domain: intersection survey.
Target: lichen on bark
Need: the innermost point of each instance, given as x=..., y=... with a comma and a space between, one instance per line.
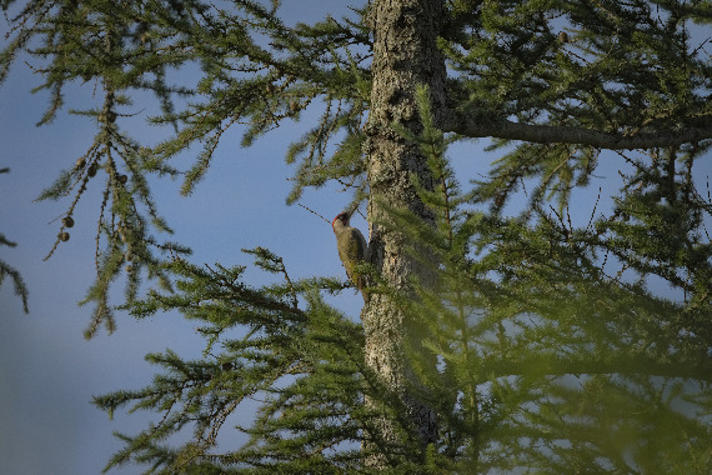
x=405, y=56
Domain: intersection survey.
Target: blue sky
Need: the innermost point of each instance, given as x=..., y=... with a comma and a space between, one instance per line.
x=48, y=372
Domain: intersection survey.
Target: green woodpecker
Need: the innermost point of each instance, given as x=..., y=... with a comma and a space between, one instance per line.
x=352, y=248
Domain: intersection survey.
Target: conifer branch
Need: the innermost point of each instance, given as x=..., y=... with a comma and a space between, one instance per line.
x=20, y=288
x=474, y=127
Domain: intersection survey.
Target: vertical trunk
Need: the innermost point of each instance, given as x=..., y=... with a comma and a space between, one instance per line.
x=405, y=55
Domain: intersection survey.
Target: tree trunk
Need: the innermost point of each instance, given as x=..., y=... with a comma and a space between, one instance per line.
x=405, y=55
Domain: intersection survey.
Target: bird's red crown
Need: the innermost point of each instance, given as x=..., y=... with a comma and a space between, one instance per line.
x=340, y=216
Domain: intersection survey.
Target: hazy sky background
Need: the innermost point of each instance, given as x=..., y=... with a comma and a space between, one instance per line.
x=48, y=372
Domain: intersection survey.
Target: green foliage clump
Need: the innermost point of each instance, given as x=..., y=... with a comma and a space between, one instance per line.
x=543, y=359
x=279, y=347
x=7, y=270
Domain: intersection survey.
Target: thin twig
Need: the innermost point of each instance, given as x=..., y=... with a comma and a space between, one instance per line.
x=313, y=212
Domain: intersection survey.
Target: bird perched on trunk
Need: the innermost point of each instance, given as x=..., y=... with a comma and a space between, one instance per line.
x=352, y=248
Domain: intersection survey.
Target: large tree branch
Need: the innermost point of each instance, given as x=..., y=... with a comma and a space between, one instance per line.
x=504, y=129
x=556, y=366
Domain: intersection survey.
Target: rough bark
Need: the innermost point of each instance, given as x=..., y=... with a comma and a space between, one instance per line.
x=405, y=55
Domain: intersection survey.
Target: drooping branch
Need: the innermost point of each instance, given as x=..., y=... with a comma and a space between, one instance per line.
x=504, y=129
